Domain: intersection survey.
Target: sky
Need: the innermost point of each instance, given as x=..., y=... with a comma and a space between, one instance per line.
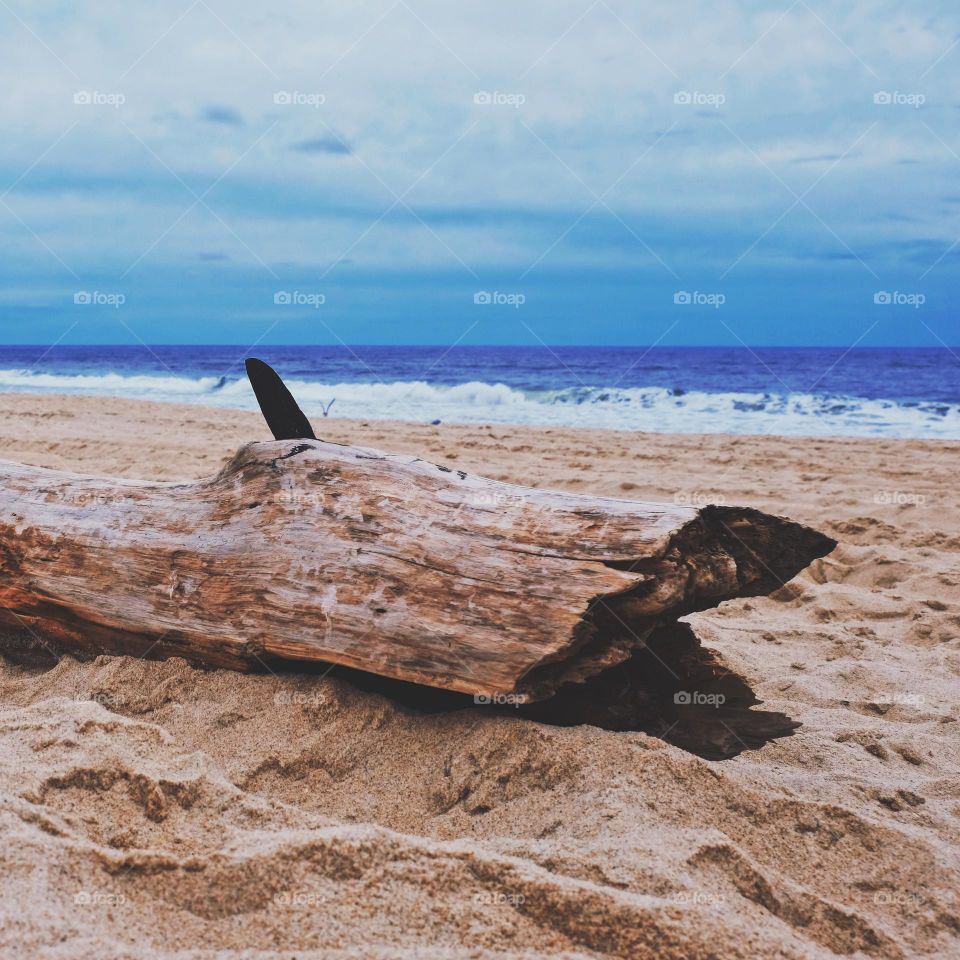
x=411, y=171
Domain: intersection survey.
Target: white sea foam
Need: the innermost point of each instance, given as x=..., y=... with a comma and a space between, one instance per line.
x=637, y=408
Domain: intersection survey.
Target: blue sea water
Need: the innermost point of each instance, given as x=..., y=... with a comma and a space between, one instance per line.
x=893, y=392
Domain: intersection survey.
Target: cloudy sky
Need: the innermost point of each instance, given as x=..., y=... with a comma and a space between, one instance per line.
x=601, y=172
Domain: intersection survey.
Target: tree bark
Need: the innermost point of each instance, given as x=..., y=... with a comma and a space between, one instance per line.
x=306, y=550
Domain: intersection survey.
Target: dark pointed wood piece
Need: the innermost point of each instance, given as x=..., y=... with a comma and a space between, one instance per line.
x=284, y=417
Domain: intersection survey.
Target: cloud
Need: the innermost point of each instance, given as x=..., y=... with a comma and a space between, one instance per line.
x=224, y=115
x=819, y=158
x=322, y=145
x=238, y=108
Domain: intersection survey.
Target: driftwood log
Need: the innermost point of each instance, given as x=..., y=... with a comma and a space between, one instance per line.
x=308, y=550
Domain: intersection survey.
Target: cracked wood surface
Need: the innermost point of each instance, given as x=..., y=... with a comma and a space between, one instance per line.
x=306, y=550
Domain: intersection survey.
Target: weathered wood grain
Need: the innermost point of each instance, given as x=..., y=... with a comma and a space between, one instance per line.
x=307, y=550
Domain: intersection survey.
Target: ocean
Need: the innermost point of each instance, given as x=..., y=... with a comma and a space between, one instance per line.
x=883, y=392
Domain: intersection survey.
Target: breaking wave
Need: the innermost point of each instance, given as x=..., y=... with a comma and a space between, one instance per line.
x=635, y=408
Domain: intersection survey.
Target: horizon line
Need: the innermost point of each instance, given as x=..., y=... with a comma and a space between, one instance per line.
x=512, y=346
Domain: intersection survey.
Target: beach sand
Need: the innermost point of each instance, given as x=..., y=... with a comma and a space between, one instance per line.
x=152, y=809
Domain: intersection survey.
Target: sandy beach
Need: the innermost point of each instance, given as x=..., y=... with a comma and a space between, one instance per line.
x=153, y=809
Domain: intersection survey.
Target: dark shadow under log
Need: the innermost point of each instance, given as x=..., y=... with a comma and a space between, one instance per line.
x=675, y=689
x=672, y=688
